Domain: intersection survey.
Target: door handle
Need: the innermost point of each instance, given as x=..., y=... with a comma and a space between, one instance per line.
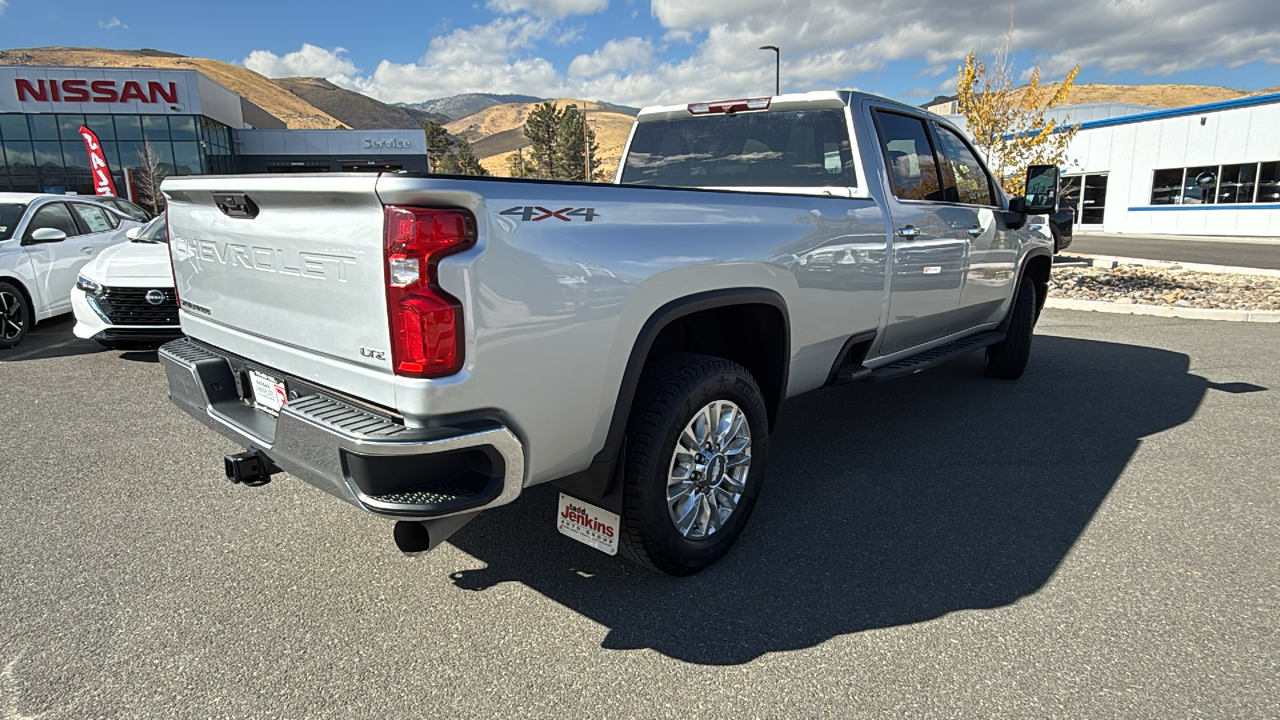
x=908, y=232
x=976, y=230
x=87, y=250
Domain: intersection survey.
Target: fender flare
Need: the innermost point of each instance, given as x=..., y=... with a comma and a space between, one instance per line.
x=597, y=481
x=1022, y=275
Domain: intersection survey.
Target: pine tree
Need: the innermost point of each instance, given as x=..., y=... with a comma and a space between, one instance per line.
x=570, y=160
x=542, y=128
x=467, y=162
x=439, y=149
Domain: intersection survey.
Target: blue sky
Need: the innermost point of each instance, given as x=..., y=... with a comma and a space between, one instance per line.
x=642, y=52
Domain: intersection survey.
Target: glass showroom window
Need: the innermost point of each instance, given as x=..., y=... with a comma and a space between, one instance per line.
x=1166, y=187
x=1269, y=183
x=1200, y=186
x=1236, y=183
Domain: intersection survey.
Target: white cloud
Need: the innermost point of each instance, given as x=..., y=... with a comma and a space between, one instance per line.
x=482, y=58
x=309, y=61
x=111, y=24
x=825, y=44
x=548, y=8
x=614, y=56
x=3, y=4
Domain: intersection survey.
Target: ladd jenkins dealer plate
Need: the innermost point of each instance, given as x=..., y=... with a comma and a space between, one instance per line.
x=588, y=524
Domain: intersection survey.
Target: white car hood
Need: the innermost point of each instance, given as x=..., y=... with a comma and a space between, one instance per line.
x=132, y=264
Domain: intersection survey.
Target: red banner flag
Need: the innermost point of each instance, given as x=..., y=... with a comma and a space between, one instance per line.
x=102, y=182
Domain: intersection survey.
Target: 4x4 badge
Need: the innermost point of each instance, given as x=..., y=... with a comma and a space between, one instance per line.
x=534, y=213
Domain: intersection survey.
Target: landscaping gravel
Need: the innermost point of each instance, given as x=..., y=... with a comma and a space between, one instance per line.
x=1169, y=287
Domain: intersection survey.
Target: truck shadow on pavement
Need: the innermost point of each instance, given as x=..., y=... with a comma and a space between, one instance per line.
x=886, y=504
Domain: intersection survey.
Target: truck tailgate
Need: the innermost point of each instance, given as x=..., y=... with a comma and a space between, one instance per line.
x=287, y=272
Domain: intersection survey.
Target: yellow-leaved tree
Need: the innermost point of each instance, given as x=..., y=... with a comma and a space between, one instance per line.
x=1009, y=124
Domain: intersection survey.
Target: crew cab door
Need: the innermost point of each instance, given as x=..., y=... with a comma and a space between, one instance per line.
x=929, y=237
x=56, y=264
x=992, y=250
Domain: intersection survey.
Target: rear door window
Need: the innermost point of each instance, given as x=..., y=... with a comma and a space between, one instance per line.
x=803, y=148
x=973, y=185
x=909, y=156
x=53, y=215
x=96, y=219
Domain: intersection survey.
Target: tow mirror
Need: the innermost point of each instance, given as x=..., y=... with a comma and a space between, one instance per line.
x=133, y=233
x=1042, y=189
x=48, y=235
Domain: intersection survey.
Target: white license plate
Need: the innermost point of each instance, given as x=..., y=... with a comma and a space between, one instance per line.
x=588, y=524
x=268, y=392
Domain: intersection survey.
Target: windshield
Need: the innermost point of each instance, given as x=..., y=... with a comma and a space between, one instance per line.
x=10, y=214
x=803, y=148
x=155, y=231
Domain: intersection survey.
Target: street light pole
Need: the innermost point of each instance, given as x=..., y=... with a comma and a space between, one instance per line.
x=777, y=68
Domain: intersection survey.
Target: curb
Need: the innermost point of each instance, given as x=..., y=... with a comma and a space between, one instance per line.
x=1259, y=316
x=1104, y=262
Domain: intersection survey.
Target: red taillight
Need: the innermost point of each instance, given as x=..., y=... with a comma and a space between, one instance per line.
x=426, y=322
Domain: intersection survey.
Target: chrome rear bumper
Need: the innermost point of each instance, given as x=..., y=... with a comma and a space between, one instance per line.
x=356, y=454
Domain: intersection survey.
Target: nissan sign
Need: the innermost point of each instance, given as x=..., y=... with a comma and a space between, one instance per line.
x=96, y=91
x=109, y=91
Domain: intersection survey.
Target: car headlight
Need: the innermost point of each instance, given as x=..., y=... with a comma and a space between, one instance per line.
x=87, y=285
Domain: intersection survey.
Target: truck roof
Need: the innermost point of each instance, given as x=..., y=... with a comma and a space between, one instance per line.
x=817, y=99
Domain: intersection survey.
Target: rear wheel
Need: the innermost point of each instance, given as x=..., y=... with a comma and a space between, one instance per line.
x=1007, y=359
x=696, y=446
x=15, y=316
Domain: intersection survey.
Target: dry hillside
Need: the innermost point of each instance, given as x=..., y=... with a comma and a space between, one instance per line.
x=293, y=110
x=1165, y=96
x=611, y=130
x=360, y=112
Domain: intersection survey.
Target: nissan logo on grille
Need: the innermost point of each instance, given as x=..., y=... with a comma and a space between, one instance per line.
x=155, y=297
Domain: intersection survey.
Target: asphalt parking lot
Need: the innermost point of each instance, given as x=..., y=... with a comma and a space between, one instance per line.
x=1099, y=539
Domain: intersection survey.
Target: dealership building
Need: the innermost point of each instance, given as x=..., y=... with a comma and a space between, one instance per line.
x=193, y=125
x=1209, y=169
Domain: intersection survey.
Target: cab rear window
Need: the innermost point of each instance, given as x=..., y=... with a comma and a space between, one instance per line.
x=803, y=148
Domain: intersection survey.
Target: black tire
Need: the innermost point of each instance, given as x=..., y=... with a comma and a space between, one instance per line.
x=1007, y=359
x=15, y=316
x=670, y=394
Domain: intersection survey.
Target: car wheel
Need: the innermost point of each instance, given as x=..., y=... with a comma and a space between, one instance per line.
x=1007, y=359
x=15, y=316
x=696, y=447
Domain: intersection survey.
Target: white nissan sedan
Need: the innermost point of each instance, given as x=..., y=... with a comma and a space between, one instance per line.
x=124, y=298
x=44, y=242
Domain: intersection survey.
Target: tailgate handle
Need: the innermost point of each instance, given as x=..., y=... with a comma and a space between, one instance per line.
x=236, y=205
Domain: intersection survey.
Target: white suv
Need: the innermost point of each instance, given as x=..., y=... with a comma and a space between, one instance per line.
x=124, y=298
x=44, y=241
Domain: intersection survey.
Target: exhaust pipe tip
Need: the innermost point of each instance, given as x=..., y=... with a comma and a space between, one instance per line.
x=414, y=537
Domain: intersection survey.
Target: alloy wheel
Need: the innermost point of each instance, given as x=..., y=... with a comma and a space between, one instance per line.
x=709, y=469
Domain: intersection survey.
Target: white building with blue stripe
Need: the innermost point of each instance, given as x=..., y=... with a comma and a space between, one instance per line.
x=1202, y=170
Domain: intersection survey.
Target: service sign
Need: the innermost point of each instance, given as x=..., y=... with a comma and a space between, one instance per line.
x=93, y=91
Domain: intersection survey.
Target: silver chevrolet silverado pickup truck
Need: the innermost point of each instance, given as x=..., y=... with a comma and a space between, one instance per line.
x=427, y=347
